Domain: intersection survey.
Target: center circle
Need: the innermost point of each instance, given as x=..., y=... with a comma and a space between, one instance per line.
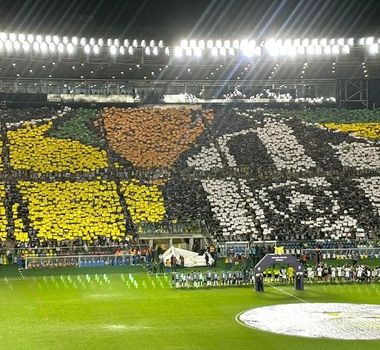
x=317, y=320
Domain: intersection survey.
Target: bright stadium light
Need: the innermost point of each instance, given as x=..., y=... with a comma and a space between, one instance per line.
x=8, y=45
x=301, y=50
x=39, y=39
x=167, y=51
x=65, y=40
x=70, y=48
x=113, y=50
x=310, y=50
x=227, y=44
x=340, y=42
x=292, y=51
x=318, y=50
x=109, y=42
x=152, y=43
x=143, y=43
x=297, y=42
x=193, y=44
x=197, y=52
x=160, y=44
x=135, y=43
x=248, y=51
x=210, y=44
x=36, y=46
x=244, y=44
x=305, y=42
x=4, y=36
x=178, y=51
x=231, y=51
x=21, y=38
x=147, y=51
x=52, y=47
x=287, y=43
x=87, y=49
x=314, y=42
x=214, y=51
x=48, y=39
x=17, y=45
x=130, y=50
x=223, y=51
x=189, y=51
x=218, y=44
x=374, y=49
x=56, y=39
x=236, y=44
x=96, y=49
x=126, y=42
x=184, y=43
x=116, y=42
x=43, y=47
x=122, y=50
x=327, y=50
x=201, y=44
x=350, y=41
x=82, y=41
x=100, y=42
x=12, y=37
x=25, y=46
x=74, y=40
x=155, y=51
x=323, y=42
x=335, y=50
x=369, y=40
x=61, y=48
x=346, y=49
x=332, y=42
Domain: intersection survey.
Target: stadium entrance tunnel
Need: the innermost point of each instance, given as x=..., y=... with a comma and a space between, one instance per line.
x=316, y=320
x=273, y=259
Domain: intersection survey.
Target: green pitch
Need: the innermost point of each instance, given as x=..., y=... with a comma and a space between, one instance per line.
x=122, y=311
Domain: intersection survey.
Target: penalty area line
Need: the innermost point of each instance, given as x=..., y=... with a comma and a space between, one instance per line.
x=290, y=294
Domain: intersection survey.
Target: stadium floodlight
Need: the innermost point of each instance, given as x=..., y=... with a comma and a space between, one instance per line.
x=143, y=43
x=346, y=49
x=48, y=39
x=56, y=39
x=243, y=44
x=214, y=51
x=236, y=44
x=361, y=41
x=135, y=43
x=25, y=46
x=327, y=50
x=21, y=38
x=65, y=40
x=318, y=50
x=17, y=45
x=223, y=51
x=350, y=41
x=52, y=47
x=116, y=42
x=39, y=38
x=323, y=42
x=122, y=50
x=231, y=51
x=4, y=36
x=340, y=42
x=218, y=44
x=283, y=51
x=227, y=44
x=279, y=43
x=61, y=48
x=130, y=50
x=92, y=41
x=193, y=43
x=332, y=42
x=36, y=46
x=43, y=47
x=147, y=51
x=292, y=51
x=178, y=51
x=87, y=49
x=74, y=40
x=8, y=45
x=152, y=43
x=369, y=40
x=305, y=42
x=310, y=50
x=201, y=44
x=335, y=49
x=257, y=51
x=96, y=49
x=374, y=49
x=100, y=42
x=160, y=44
x=314, y=42
x=188, y=51
x=113, y=50
x=287, y=43
x=184, y=43
x=70, y=48
x=297, y=42
x=301, y=50
x=155, y=51
x=109, y=42
x=167, y=51
x=197, y=52
x=126, y=42
x=12, y=37
x=248, y=51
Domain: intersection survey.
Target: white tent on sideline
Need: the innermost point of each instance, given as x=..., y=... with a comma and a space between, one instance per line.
x=191, y=259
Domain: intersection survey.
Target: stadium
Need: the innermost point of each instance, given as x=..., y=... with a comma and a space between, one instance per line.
x=190, y=174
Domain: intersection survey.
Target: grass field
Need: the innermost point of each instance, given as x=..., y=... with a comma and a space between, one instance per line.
x=122, y=311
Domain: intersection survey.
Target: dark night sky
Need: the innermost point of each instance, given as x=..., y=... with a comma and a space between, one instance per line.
x=174, y=19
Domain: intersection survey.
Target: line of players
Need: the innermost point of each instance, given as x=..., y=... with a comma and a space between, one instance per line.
x=210, y=278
